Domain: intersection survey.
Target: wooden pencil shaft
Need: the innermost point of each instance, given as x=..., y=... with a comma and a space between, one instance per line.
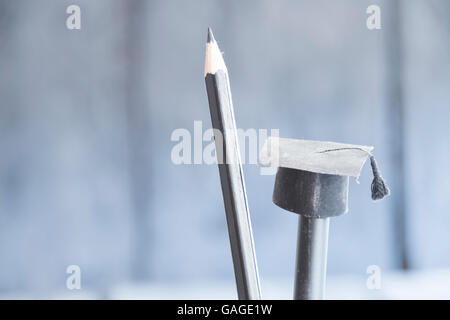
x=233, y=186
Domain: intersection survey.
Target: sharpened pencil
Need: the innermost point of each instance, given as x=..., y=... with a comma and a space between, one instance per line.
x=231, y=173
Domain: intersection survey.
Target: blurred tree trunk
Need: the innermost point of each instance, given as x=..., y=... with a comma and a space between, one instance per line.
x=396, y=125
x=138, y=128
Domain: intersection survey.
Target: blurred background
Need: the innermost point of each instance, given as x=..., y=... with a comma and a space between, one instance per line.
x=86, y=117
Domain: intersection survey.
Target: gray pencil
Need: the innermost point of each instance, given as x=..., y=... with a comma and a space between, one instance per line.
x=231, y=174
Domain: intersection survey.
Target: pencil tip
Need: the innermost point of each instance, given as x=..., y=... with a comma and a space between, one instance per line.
x=213, y=59
x=210, y=36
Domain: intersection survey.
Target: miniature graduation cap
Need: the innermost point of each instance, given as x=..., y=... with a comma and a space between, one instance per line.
x=312, y=176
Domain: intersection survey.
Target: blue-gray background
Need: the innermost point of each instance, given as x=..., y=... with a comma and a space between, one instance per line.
x=86, y=118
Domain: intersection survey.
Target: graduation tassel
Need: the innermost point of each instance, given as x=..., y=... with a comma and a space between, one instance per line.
x=378, y=187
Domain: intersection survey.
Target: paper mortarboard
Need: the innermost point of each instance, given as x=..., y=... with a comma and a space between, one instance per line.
x=322, y=157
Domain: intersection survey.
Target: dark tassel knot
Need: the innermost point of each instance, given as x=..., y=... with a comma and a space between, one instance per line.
x=379, y=187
